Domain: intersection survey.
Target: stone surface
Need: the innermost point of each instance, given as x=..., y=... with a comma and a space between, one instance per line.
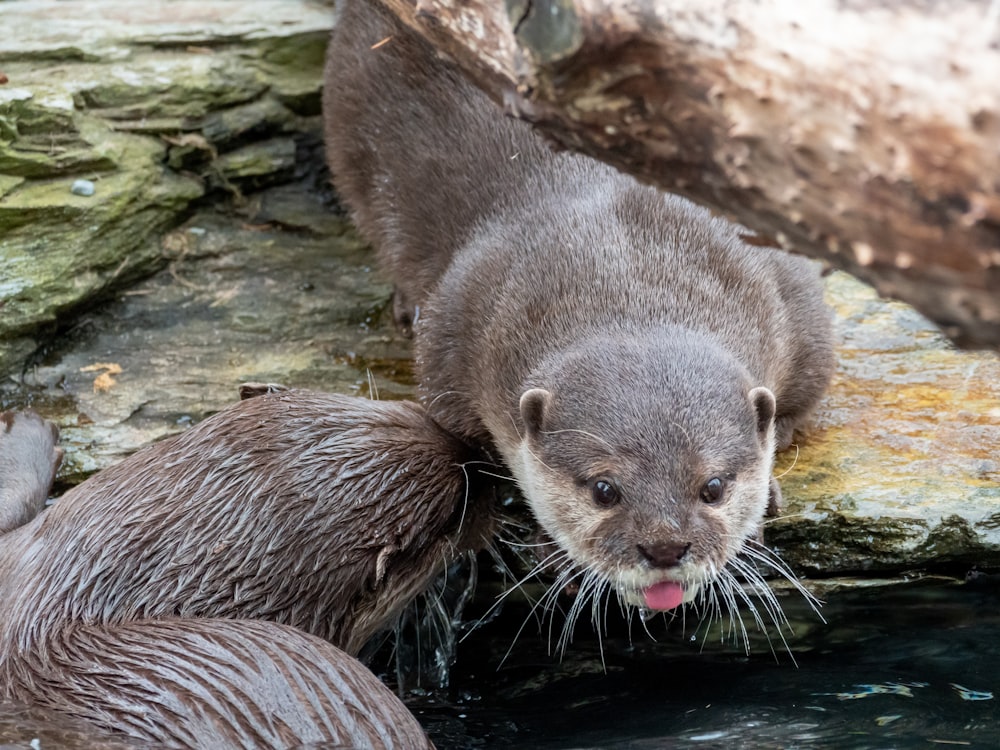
x=901, y=467
x=157, y=105
x=251, y=298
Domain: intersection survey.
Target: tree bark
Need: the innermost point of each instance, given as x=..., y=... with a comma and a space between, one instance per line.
x=863, y=133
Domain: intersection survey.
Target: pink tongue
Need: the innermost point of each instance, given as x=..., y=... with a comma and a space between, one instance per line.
x=663, y=596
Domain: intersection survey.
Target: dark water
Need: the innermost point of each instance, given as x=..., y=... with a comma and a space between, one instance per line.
x=912, y=667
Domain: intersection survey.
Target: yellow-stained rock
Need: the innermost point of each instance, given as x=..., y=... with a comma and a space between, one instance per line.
x=901, y=467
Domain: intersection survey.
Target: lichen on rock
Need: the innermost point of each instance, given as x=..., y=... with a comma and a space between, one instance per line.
x=154, y=108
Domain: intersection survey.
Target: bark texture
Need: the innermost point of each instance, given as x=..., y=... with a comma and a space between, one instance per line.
x=863, y=133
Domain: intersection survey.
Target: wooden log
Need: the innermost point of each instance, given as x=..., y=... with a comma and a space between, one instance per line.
x=863, y=133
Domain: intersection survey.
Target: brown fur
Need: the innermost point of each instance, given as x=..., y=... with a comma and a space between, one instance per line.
x=588, y=327
x=321, y=513
x=27, y=467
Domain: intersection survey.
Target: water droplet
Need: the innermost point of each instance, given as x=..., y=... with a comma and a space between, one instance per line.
x=645, y=614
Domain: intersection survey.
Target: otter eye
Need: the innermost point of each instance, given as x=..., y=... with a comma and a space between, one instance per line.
x=713, y=490
x=605, y=494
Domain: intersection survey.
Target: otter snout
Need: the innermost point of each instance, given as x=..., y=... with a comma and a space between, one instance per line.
x=664, y=554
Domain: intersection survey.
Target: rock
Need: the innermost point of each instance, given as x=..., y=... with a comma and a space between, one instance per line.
x=901, y=468
x=259, y=163
x=283, y=294
x=82, y=187
x=154, y=108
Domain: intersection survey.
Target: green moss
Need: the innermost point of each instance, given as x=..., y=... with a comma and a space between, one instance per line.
x=295, y=67
x=258, y=159
x=8, y=183
x=175, y=85
x=301, y=52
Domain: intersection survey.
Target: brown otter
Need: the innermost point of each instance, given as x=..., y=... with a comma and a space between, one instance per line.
x=631, y=358
x=28, y=464
x=321, y=514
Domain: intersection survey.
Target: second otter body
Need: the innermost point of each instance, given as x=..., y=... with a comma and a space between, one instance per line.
x=200, y=592
x=631, y=358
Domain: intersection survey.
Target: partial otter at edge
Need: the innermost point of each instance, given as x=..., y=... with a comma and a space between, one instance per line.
x=318, y=513
x=631, y=358
x=28, y=464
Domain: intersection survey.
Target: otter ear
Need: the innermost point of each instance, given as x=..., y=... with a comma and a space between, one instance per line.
x=534, y=402
x=762, y=401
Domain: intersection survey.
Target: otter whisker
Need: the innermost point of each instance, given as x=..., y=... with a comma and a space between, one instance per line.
x=741, y=591
x=514, y=524
x=501, y=477
x=794, y=461
x=770, y=558
x=569, y=623
x=722, y=586
x=733, y=591
x=595, y=438
x=601, y=595
x=443, y=394
x=465, y=499
x=552, y=595
x=526, y=545
x=710, y=594
x=710, y=598
x=782, y=517
x=553, y=559
x=535, y=456
x=499, y=563
x=372, y=386
x=736, y=629
x=546, y=602
x=590, y=589
x=492, y=464
x=684, y=430
x=763, y=592
x=745, y=597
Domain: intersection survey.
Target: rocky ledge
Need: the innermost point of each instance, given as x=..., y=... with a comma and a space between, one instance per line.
x=166, y=233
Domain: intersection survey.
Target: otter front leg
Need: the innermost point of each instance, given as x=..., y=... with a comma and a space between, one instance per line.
x=404, y=313
x=29, y=459
x=773, y=499
x=773, y=507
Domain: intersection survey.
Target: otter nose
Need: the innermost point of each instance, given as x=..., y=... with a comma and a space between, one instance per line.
x=664, y=554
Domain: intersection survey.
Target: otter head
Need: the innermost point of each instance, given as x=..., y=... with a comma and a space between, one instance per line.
x=647, y=461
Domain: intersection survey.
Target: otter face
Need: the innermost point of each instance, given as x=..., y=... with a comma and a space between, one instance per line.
x=654, y=494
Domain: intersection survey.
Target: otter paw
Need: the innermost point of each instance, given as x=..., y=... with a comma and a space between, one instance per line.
x=774, y=499
x=29, y=458
x=404, y=314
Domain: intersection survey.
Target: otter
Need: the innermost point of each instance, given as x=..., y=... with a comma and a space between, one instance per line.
x=212, y=589
x=631, y=358
x=29, y=460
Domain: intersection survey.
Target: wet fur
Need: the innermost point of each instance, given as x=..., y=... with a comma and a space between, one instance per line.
x=28, y=463
x=320, y=514
x=641, y=324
